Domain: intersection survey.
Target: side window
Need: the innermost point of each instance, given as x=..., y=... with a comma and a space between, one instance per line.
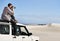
x=19, y=30
x=4, y=29
x=23, y=29
x=15, y=30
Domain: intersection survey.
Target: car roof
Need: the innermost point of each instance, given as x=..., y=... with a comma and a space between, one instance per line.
x=5, y=23
x=8, y=22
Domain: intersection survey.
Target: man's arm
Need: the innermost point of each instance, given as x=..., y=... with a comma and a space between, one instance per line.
x=10, y=11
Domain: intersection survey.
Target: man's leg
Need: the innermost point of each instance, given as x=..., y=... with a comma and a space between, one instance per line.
x=14, y=27
x=13, y=22
x=13, y=18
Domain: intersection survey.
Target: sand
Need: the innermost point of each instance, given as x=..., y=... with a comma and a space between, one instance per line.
x=45, y=32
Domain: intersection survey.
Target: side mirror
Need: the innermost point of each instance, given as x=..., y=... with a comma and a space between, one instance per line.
x=29, y=34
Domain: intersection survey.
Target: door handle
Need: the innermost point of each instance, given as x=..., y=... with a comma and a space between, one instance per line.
x=23, y=37
x=14, y=37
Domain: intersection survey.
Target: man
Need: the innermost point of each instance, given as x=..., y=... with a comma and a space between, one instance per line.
x=8, y=14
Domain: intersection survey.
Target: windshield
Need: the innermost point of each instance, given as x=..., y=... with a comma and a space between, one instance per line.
x=21, y=30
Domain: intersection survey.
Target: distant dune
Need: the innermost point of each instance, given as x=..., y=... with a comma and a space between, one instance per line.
x=48, y=32
x=48, y=27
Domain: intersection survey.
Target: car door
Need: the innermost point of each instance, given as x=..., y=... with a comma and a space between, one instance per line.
x=15, y=31
x=19, y=34
x=25, y=38
x=24, y=34
x=17, y=38
x=5, y=33
x=21, y=38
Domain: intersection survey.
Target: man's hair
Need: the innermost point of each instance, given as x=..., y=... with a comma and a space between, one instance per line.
x=9, y=4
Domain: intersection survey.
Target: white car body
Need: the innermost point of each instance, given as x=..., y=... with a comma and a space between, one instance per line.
x=9, y=37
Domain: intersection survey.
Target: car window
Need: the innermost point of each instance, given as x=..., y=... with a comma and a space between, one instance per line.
x=4, y=29
x=23, y=29
x=15, y=30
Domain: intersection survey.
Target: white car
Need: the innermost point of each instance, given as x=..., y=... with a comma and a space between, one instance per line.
x=9, y=32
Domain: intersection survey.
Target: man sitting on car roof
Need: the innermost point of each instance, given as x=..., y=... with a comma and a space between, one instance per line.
x=8, y=13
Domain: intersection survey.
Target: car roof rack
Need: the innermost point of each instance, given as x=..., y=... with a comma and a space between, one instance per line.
x=4, y=21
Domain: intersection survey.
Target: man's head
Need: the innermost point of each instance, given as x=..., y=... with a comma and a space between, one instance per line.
x=10, y=5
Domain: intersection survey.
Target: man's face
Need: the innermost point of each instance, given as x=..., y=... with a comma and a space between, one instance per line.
x=10, y=6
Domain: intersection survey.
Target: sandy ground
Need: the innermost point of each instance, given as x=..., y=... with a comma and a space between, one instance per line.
x=46, y=32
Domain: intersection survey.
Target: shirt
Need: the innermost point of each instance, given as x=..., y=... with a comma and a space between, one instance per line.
x=6, y=15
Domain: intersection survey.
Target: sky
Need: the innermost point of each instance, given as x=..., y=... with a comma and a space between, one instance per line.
x=34, y=11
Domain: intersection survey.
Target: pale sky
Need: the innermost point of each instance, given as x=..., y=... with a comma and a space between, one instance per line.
x=34, y=11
